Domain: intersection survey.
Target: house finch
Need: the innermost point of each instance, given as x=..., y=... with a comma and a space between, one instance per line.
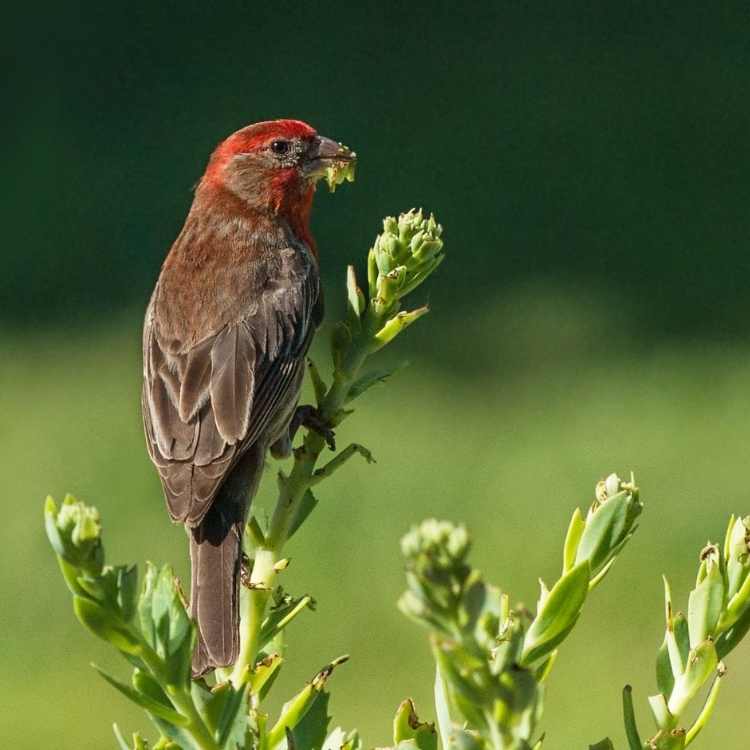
x=225, y=336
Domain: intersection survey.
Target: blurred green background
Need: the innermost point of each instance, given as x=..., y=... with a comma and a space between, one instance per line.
x=590, y=165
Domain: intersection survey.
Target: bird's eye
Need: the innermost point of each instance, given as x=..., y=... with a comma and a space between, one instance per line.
x=280, y=147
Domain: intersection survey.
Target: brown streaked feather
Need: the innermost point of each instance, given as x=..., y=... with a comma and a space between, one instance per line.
x=205, y=405
x=195, y=380
x=232, y=381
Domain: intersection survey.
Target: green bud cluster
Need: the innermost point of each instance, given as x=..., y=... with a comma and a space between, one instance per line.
x=492, y=660
x=437, y=573
x=74, y=530
x=151, y=628
x=408, y=250
x=718, y=617
x=477, y=641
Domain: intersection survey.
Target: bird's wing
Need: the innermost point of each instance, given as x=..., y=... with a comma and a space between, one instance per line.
x=202, y=408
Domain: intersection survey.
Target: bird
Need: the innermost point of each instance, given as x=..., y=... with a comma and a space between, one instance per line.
x=225, y=335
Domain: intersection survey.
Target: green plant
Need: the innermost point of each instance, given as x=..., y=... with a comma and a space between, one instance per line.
x=493, y=659
x=152, y=630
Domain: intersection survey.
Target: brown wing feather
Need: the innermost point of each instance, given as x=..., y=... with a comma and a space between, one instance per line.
x=204, y=407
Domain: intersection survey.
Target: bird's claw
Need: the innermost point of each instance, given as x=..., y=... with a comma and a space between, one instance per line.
x=310, y=417
x=246, y=570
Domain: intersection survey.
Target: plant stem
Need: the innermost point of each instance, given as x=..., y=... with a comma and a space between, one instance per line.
x=292, y=489
x=182, y=701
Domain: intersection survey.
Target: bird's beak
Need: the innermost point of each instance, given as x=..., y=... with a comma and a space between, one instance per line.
x=325, y=153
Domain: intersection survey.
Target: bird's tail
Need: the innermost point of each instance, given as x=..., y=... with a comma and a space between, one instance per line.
x=216, y=559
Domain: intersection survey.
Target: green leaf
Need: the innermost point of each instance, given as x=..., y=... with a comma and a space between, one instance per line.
x=628, y=712
x=106, y=625
x=459, y=671
x=123, y=745
x=442, y=711
x=226, y=715
x=705, y=605
x=294, y=710
x=154, y=707
x=165, y=623
x=396, y=325
x=281, y=614
x=146, y=685
x=605, y=744
x=370, y=379
x=306, y=506
x=338, y=739
x=559, y=614
x=664, y=676
x=707, y=710
x=148, y=627
x=127, y=590
x=681, y=633
x=732, y=637
x=660, y=710
x=264, y=673
x=702, y=662
x=572, y=539
x=179, y=735
x=311, y=731
x=606, y=528
x=355, y=301
x=407, y=726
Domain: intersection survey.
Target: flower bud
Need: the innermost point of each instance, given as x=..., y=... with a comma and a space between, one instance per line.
x=411, y=243
x=428, y=250
x=75, y=533
x=390, y=226
x=416, y=241
x=386, y=252
x=609, y=523
x=390, y=283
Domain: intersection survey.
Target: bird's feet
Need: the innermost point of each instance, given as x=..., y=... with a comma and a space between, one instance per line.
x=246, y=570
x=308, y=416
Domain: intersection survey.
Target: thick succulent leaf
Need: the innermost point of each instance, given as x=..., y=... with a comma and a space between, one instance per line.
x=121, y=743
x=226, y=714
x=407, y=726
x=311, y=732
x=442, y=709
x=106, y=625
x=628, y=712
x=732, y=637
x=145, y=684
x=370, y=379
x=144, y=701
x=572, y=539
x=605, y=530
x=558, y=615
x=664, y=676
x=264, y=674
x=705, y=606
x=183, y=739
